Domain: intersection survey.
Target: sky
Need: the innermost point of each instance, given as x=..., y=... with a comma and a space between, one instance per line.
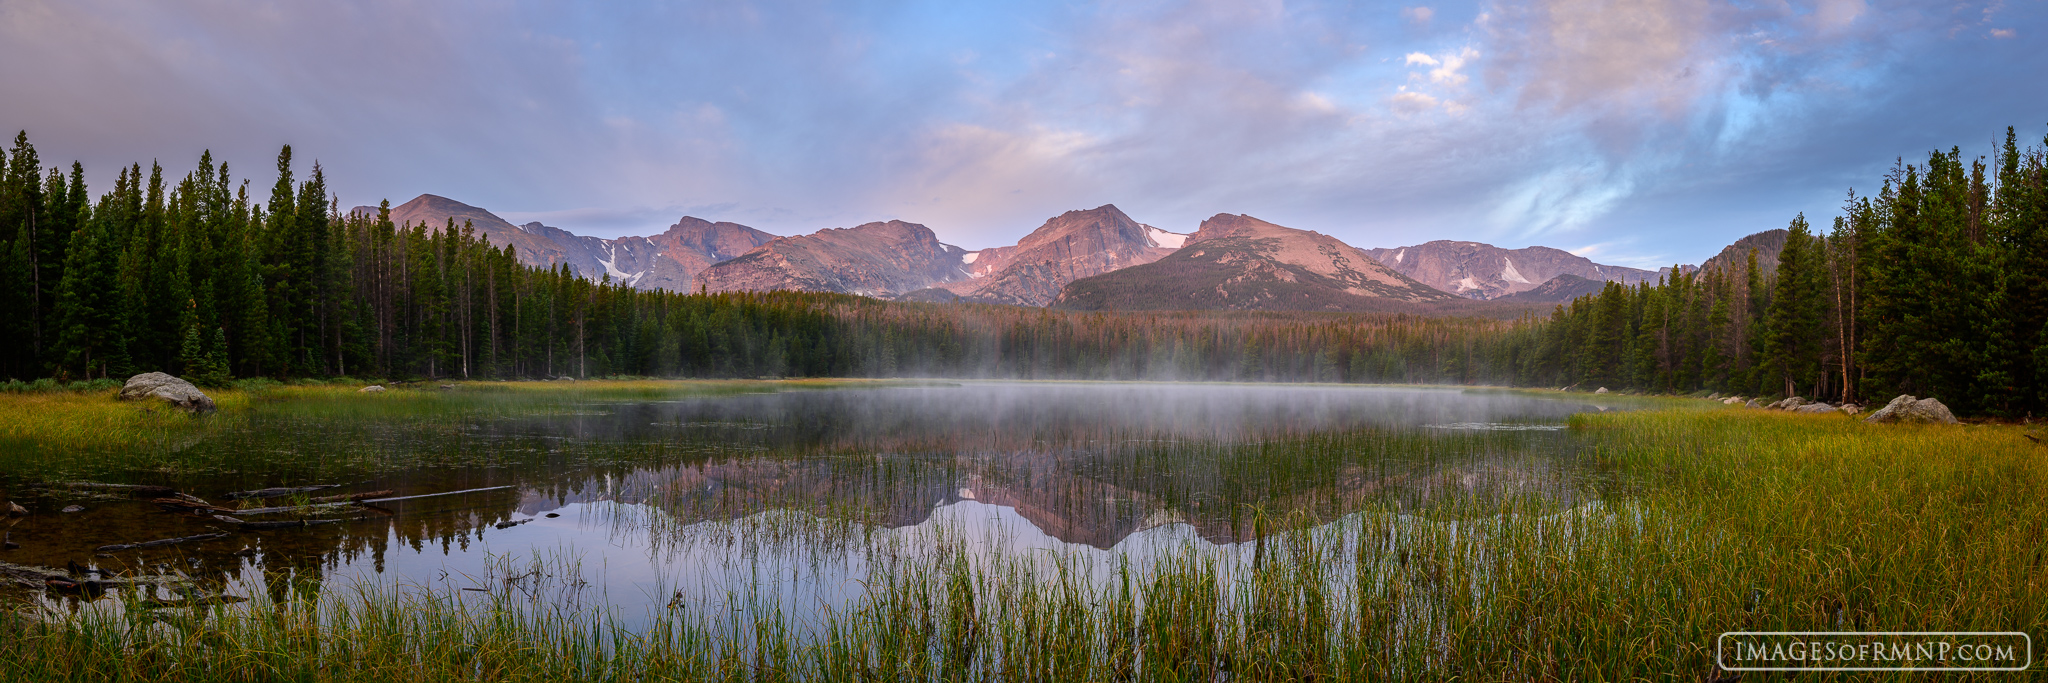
x=1633, y=132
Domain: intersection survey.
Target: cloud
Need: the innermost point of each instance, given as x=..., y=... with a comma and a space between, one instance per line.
x=1447, y=66
x=1833, y=15
x=1411, y=102
x=1683, y=122
x=1617, y=56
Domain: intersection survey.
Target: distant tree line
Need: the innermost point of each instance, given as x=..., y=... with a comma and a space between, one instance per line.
x=199, y=278
x=1934, y=286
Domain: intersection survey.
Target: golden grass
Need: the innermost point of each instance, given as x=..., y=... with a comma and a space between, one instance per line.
x=1734, y=520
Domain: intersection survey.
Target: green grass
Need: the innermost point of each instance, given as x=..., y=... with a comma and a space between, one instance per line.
x=1730, y=519
x=53, y=435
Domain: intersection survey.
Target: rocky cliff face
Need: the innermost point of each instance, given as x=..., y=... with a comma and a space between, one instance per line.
x=436, y=211
x=1735, y=257
x=1482, y=271
x=1243, y=263
x=874, y=259
x=670, y=260
x=1559, y=289
x=1070, y=246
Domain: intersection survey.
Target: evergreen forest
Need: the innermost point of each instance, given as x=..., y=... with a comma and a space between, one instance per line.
x=1935, y=285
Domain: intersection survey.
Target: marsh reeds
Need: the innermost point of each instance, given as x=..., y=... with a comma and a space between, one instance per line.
x=1684, y=523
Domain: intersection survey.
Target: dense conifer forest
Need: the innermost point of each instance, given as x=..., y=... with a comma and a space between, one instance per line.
x=1933, y=286
x=1937, y=285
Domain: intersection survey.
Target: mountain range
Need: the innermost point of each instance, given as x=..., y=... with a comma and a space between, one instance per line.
x=1094, y=259
x=1243, y=263
x=1482, y=271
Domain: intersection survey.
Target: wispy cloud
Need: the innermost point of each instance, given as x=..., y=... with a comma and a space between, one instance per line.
x=1649, y=126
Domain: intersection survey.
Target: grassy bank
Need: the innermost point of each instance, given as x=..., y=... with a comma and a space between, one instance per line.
x=1734, y=520
x=57, y=434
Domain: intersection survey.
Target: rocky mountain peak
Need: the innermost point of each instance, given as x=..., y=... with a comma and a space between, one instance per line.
x=1239, y=262
x=1476, y=270
x=1068, y=247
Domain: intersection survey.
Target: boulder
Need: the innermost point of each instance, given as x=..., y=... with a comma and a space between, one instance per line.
x=1751, y=404
x=1906, y=409
x=1732, y=400
x=172, y=390
x=1600, y=390
x=1850, y=408
x=370, y=389
x=1814, y=408
x=15, y=509
x=1787, y=404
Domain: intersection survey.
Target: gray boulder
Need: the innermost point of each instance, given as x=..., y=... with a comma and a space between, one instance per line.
x=1906, y=409
x=1787, y=404
x=1814, y=408
x=1601, y=390
x=1850, y=408
x=177, y=392
x=374, y=388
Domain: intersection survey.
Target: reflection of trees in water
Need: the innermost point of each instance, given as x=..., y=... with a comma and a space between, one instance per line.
x=1088, y=465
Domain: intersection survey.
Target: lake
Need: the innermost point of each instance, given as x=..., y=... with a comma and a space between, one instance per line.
x=753, y=499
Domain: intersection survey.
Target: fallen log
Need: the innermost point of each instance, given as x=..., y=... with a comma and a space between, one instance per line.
x=131, y=489
x=431, y=495
x=197, y=601
x=38, y=577
x=182, y=505
x=316, y=507
x=293, y=524
x=159, y=542
x=281, y=491
x=351, y=497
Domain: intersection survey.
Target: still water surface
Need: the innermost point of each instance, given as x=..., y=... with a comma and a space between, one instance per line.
x=788, y=498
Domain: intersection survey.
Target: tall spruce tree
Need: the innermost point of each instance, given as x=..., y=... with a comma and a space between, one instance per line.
x=1792, y=328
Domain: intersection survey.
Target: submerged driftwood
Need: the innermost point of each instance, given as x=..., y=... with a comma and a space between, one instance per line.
x=159, y=542
x=315, y=507
x=431, y=495
x=293, y=524
x=281, y=491
x=130, y=489
x=183, y=505
x=352, y=496
x=42, y=577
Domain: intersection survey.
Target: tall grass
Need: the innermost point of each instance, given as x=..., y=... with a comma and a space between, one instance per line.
x=1733, y=520
x=91, y=434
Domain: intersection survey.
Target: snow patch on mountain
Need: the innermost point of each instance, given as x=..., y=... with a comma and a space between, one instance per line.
x=1510, y=274
x=1162, y=238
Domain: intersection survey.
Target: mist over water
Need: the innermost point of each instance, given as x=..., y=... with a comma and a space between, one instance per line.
x=1057, y=411
x=787, y=500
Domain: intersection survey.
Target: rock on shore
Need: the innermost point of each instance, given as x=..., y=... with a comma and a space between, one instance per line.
x=177, y=392
x=1907, y=409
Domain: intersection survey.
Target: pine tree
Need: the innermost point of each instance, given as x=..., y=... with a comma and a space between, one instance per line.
x=1791, y=357
x=90, y=337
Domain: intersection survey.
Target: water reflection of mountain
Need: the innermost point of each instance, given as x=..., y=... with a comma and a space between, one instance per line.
x=1062, y=493
x=1087, y=464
